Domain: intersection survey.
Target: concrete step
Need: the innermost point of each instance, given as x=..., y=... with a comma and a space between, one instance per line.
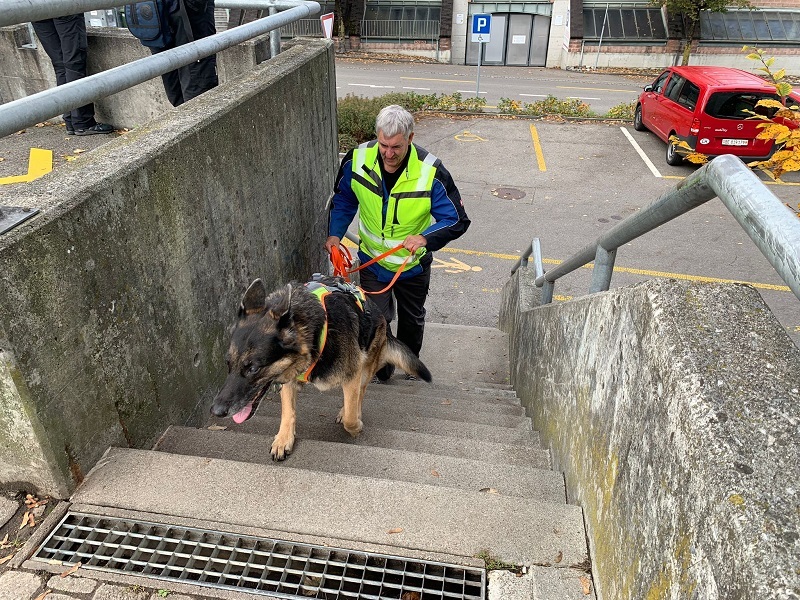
x=381, y=437
x=460, y=354
x=364, y=461
x=366, y=511
x=390, y=407
x=314, y=419
x=402, y=394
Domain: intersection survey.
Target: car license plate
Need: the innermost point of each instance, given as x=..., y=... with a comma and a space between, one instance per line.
x=734, y=142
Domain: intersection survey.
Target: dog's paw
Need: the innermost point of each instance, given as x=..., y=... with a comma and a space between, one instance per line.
x=353, y=428
x=281, y=448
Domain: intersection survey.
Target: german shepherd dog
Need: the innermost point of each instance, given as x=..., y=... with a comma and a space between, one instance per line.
x=292, y=336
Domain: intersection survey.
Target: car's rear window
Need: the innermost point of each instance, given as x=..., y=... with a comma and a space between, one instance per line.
x=734, y=105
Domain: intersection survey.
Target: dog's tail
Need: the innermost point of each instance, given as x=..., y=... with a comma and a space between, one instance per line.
x=398, y=354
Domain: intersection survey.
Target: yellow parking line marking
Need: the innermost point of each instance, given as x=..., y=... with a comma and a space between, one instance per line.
x=571, y=87
x=445, y=80
x=764, y=181
x=645, y=272
x=40, y=162
x=537, y=147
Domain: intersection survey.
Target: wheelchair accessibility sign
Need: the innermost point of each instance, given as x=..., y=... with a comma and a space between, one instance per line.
x=481, y=28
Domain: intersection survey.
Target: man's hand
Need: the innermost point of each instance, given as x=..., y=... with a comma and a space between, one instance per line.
x=414, y=242
x=331, y=243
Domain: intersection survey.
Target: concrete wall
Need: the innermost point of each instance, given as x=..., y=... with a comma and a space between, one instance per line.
x=673, y=408
x=27, y=70
x=115, y=301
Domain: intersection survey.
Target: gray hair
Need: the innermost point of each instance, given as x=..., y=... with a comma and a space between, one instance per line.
x=394, y=119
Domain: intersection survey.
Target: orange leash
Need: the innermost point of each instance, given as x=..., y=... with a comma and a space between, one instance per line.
x=342, y=261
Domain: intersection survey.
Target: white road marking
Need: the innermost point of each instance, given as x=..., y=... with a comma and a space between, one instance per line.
x=413, y=88
x=535, y=95
x=369, y=85
x=467, y=92
x=638, y=149
x=581, y=98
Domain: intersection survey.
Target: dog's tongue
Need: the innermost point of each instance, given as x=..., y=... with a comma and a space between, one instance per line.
x=241, y=416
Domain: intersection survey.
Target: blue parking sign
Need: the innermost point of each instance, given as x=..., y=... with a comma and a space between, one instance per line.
x=481, y=27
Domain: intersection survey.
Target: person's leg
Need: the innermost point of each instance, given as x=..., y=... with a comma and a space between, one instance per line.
x=51, y=43
x=201, y=76
x=75, y=50
x=385, y=303
x=411, y=295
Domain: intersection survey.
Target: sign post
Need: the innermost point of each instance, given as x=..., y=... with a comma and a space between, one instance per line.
x=481, y=30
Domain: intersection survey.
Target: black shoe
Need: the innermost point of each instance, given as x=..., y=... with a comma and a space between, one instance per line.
x=410, y=377
x=385, y=373
x=95, y=129
x=70, y=131
x=375, y=380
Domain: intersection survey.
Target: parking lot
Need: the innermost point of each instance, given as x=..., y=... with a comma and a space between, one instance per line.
x=565, y=183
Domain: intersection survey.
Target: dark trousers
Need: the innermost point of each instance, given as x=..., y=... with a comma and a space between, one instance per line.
x=64, y=40
x=410, y=294
x=192, y=80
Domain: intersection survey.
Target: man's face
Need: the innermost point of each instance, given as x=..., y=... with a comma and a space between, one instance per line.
x=393, y=150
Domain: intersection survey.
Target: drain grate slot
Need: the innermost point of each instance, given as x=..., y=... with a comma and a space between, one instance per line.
x=256, y=565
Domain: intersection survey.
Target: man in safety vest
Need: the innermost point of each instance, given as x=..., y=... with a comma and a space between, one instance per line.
x=405, y=196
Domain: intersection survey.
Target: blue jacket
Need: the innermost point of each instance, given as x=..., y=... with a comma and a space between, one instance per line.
x=447, y=209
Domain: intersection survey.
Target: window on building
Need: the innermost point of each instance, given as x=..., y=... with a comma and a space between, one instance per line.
x=626, y=23
x=750, y=26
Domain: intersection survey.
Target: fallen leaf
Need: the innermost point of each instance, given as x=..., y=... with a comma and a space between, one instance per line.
x=70, y=571
x=39, y=125
x=410, y=596
x=559, y=557
x=69, y=157
x=435, y=473
x=217, y=428
x=1, y=159
x=587, y=585
x=5, y=559
x=4, y=542
x=43, y=594
x=24, y=520
x=447, y=402
x=31, y=520
x=489, y=490
x=55, y=562
x=79, y=151
x=395, y=530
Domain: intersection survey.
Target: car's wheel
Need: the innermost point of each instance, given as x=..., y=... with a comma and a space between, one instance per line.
x=673, y=158
x=638, y=125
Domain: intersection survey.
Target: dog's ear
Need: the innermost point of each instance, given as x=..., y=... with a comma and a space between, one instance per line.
x=255, y=298
x=280, y=307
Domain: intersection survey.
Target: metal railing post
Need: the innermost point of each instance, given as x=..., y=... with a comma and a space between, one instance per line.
x=603, y=270
x=538, y=266
x=547, y=292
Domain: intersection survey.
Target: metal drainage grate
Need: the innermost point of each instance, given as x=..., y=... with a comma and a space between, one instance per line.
x=257, y=565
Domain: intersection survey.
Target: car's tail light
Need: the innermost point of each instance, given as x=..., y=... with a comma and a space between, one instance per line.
x=695, y=127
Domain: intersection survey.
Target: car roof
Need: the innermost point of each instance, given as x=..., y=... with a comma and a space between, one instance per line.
x=723, y=77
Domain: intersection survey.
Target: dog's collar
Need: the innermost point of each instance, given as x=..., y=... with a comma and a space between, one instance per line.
x=320, y=291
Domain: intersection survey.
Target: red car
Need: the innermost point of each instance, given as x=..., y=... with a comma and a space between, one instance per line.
x=707, y=107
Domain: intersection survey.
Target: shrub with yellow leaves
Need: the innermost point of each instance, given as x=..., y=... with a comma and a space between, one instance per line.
x=783, y=127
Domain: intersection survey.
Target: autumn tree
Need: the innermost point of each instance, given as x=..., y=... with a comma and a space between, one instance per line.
x=690, y=11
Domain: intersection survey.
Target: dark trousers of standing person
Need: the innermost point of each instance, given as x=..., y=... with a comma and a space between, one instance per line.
x=411, y=294
x=200, y=76
x=64, y=40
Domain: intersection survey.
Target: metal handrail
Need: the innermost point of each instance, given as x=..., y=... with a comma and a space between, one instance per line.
x=768, y=222
x=27, y=111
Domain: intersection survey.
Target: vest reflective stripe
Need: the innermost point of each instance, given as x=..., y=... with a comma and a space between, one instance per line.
x=408, y=207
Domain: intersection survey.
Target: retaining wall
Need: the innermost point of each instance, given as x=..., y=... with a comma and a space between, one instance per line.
x=115, y=300
x=673, y=409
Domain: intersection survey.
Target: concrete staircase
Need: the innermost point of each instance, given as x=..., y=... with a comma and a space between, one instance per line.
x=444, y=472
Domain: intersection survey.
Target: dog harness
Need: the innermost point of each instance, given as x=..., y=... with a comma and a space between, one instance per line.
x=322, y=291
